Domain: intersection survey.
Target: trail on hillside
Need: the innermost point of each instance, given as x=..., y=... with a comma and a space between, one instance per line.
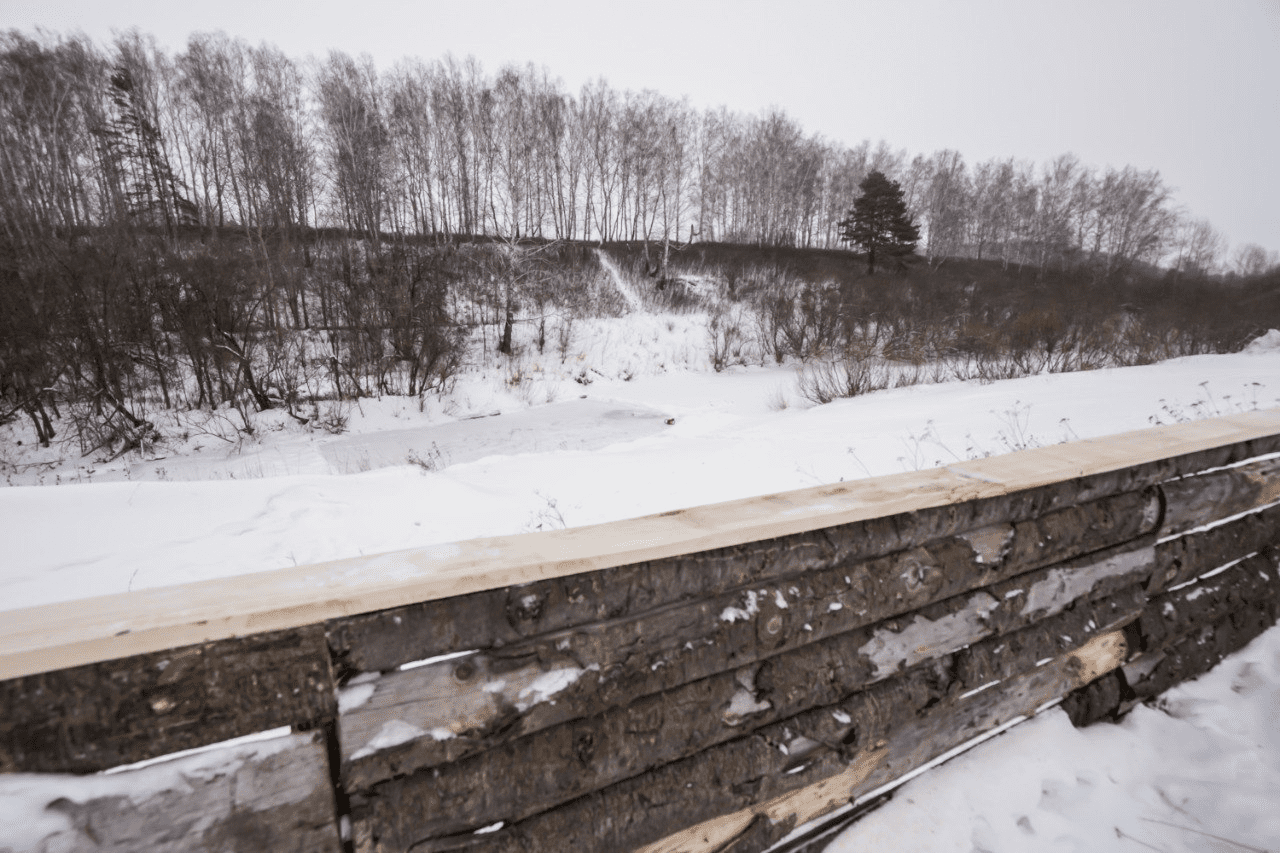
x=633, y=301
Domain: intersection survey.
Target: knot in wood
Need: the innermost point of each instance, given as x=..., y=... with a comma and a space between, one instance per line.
x=525, y=607
x=464, y=671
x=774, y=625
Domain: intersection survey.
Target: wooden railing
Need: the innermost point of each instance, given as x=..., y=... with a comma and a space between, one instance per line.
x=670, y=683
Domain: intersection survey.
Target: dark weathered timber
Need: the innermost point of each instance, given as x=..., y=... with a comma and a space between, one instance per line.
x=1204, y=498
x=533, y=774
x=1097, y=700
x=481, y=699
x=1201, y=651
x=1173, y=615
x=97, y=716
x=267, y=796
x=895, y=728
x=383, y=641
x=1187, y=557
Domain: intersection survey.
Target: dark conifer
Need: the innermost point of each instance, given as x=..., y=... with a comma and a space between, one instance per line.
x=878, y=222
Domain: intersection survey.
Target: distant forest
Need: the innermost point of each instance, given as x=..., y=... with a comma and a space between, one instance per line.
x=230, y=228
x=227, y=134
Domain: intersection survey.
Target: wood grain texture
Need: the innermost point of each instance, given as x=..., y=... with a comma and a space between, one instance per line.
x=908, y=744
x=533, y=774
x=1186, y=557
x=1174, y=615
x=266, y=796
x=1194, y=501
x=70, y=634
x=945, y=545
x=784, y=772
x=485, y=698
x=97, y=716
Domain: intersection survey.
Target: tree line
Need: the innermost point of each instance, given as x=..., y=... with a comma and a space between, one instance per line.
x=227, y=134
x=229, y=226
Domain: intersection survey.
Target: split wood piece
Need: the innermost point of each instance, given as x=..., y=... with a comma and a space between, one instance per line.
x=1188, y=556
x=68, y=634
x=1064, y=514
x=899, y=726
x=269, y=795
x=537, y=773
x=1204, y=498
x=94, y=717
x=412, y=719
x=1171, y=616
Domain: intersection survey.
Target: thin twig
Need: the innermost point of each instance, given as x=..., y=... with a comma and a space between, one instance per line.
x=1207, y=835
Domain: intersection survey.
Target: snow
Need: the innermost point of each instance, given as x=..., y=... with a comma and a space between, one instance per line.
x=629, y=421
x=572, y=462
x=396, y=732
x=619, y=282
x=547, y=685
x=1269, y=342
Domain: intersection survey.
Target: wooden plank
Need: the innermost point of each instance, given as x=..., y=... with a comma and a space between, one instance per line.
x=1171, y=616
x=1186, y=557
x=533, y=774
x=270, y=795
x=1028, y=528
x=70, y=634
x=490, y=698
x=784, y=772
x=100, y=715
x=1194, y=501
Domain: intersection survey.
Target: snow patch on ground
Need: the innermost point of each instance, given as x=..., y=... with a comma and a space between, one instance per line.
x=1269, y=342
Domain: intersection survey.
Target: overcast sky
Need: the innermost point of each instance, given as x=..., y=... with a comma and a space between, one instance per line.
x=1188, y=87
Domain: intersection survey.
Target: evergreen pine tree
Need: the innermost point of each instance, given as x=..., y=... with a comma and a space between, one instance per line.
x=878, y=221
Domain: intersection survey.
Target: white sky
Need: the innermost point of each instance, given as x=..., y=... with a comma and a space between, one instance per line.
x=1188, y=87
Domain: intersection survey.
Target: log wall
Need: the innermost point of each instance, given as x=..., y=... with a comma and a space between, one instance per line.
x=701, y=680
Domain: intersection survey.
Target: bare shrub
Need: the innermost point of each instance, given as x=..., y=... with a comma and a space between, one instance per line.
x=726, y=343
x=823, y=381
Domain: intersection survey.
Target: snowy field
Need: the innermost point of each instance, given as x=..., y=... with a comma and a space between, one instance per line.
x=633, y=421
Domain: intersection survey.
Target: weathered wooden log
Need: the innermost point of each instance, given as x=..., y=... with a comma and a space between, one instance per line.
x=1188, y=635
x=1171, y=616
x=1198, y=500
x=97, y=716
x=614, y=663
x=904, y=746
x=888, y=731
x=1186, y=557
x=270, y=795
x=533, y=774
x=1049, y=525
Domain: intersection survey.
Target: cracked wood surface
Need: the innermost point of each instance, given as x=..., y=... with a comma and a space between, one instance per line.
x=521, y=778
x=68, y=634
x=786, y=770
x=468, y=704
